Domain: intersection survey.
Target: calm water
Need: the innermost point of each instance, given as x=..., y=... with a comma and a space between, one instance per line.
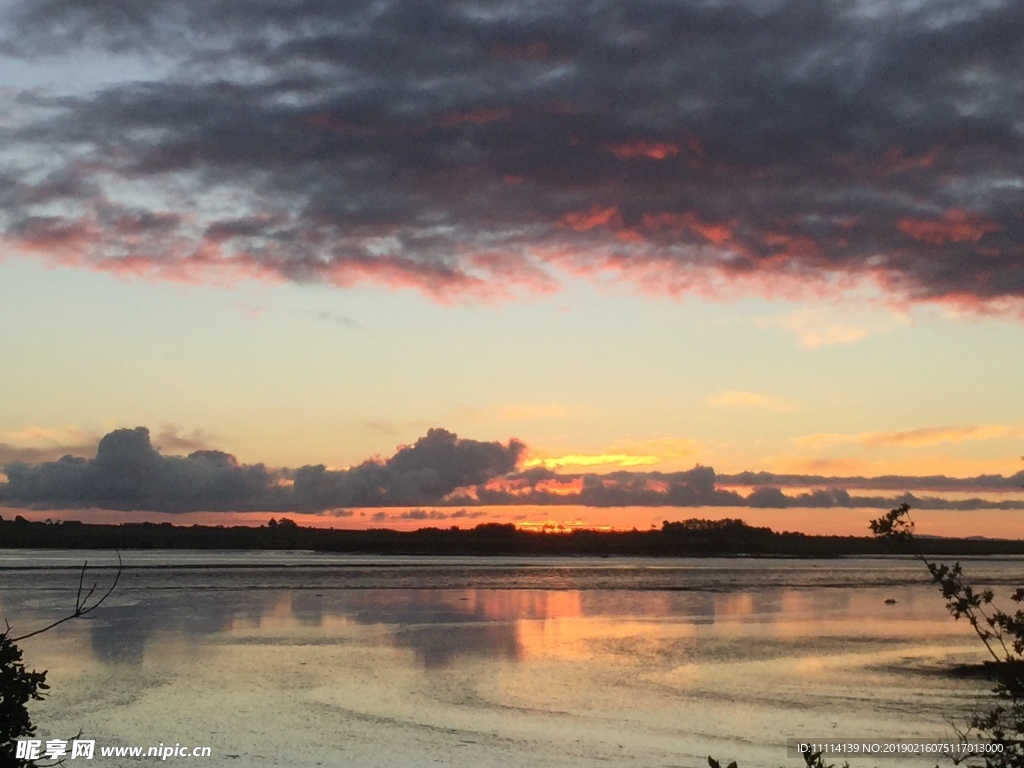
x=296, y=659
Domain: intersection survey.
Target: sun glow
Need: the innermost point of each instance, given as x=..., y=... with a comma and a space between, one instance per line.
x=560, y=526
x=593, y=460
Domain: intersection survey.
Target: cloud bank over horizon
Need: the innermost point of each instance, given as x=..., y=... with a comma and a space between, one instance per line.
x=128, y=473
x=439, y=469
x=468, y=152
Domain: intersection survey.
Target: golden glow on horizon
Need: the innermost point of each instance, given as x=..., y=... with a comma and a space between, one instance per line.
x=837, y=521
x=593, y=460
x=559, y=526
x=620, y=455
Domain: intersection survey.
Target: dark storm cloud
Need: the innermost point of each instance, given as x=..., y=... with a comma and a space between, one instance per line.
x=468, y=149
x=129, y=473
x=423, y=473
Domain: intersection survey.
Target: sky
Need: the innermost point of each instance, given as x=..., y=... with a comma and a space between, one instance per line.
x=597, y=248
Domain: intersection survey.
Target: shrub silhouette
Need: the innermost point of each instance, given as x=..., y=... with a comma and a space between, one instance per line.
x=18, y=686
x=1002, y=634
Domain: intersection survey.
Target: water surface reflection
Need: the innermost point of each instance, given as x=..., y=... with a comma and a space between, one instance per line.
x=440, y=627
x=300, y=666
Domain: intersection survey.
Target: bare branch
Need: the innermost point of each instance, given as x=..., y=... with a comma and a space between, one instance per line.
x=82, y=605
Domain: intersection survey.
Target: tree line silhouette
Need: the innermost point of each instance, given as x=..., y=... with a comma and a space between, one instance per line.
x=690, y=538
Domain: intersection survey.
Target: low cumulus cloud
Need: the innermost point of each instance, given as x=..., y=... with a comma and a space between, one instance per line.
x=129, y=473
x=794, y=148
x=702, y=486
x=438, y=470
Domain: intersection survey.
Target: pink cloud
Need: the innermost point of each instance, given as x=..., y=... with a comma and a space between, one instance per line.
x=595, y=218
x=954, y=227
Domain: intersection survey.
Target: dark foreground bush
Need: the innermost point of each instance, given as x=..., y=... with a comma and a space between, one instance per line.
x=18, y=686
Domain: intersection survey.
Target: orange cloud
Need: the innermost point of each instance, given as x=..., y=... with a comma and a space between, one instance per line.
x=792, y=246
x=821, y=327
x=511, y=486
x=913, y=438
x=934, y=435
x=895, y=161
x=561, y=487
x=955, y=227
x=718, y=234
x=874, y=464
x=594, y=218
x=630, y=236
x=655, y=150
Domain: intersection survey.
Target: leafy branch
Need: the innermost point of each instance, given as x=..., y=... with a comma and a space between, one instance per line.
x=1001, y=633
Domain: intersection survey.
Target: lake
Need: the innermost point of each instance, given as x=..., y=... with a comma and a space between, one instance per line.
x=303, y=659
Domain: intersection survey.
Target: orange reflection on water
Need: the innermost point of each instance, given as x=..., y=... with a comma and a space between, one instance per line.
x=511, y=605
x=736, y=605
x=587, y=638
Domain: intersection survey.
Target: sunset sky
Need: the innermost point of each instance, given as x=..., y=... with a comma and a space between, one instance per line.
x=757, y=236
